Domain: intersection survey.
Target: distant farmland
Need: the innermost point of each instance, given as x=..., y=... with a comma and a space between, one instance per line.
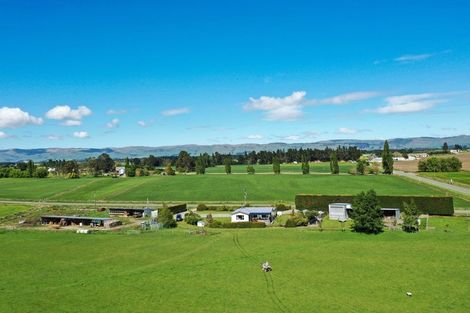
x=216, y=188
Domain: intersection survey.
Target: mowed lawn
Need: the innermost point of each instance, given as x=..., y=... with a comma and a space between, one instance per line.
x=194, y=188
x=315, y=167
x=459, y=178
x=172, y=271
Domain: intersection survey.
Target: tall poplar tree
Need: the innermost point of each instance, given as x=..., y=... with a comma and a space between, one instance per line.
x=387, y=159
x=334, y=167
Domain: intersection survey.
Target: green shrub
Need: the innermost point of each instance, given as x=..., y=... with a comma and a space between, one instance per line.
x=202, y=207
x=244, y=225
x=192, y=218
x=297, y=219
x=282, y=207
x=426, y=204
x=410, y=217
x=165, y=217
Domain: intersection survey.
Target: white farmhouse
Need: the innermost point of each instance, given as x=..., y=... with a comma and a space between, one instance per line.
x=254, y=214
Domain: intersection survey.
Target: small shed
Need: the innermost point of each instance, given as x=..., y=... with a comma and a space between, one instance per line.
x=339, y=211
x=134, y=212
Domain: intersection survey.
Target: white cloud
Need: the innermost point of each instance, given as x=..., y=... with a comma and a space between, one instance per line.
x=3, y=135
x=410, y=58
x=113, y=123
x=255, y=136
x=292, y=138
x=62, y=112
x=15, y=117
x=71, y=123
x=143, y=123
x=413, y=57
x=409, y=103
x=345, y=130
x=349, y=97
x=80, y=134
x=116, y=112
x=54, y=137
x=177, y=111
x=278, y=109
x=290, y=108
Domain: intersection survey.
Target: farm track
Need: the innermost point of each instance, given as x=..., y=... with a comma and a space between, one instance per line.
x=270, y=289
x=433, y=182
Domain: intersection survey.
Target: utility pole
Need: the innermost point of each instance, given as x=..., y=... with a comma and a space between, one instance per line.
x=245, y=196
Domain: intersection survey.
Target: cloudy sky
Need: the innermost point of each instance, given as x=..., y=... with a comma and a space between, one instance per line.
x=101, y=73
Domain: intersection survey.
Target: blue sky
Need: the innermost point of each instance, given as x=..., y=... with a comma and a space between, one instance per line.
x=112, y=73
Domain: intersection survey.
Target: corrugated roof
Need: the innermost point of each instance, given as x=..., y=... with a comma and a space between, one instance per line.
x=77, y=217
x=254, y=210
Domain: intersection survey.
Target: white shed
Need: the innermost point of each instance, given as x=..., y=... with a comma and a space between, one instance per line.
x=339, y=211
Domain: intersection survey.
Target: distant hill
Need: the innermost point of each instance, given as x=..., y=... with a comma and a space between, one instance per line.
x=15, y=155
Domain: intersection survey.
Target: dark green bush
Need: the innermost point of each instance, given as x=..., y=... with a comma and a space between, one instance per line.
x=192, y=218
x=202, y=207
x=425, y=204
x=282, y=207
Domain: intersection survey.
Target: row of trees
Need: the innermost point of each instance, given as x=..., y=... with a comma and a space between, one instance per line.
x=435, y=164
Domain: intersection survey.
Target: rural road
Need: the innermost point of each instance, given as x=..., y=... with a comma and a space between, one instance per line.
x=436, y=183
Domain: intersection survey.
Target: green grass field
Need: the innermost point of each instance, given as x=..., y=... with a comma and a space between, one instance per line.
x=193, y=188
x=10, y=209
x=320, y=167
x=459, y=178
x=173, y=271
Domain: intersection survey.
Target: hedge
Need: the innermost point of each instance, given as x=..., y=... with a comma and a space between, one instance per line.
x=244, y=225
x=175, y=209
x=425, y=204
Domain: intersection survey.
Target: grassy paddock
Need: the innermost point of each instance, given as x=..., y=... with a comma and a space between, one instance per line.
x=172, y=271
x=11, y=209
x=458, y=178
x=193, y=188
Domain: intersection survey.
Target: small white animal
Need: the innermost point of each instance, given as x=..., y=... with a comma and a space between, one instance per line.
x=409, y=294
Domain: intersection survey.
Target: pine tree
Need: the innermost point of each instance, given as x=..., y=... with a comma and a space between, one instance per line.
x=276, y=165
x=334, y=167
x=387, y=159
x=367, y=214
x=305, y=165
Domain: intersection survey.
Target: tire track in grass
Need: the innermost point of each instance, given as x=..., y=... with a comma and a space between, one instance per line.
x=270, y=289
x=73, y=190
x=124, y=190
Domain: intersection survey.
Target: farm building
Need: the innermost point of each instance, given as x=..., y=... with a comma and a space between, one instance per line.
x=342, y=211
x=141, y=212
x=79, y=220
x=254, y=214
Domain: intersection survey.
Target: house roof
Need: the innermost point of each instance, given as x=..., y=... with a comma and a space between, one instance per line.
x=254, y=210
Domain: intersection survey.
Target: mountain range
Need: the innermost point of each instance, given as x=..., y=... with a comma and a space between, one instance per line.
x=42, y=154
